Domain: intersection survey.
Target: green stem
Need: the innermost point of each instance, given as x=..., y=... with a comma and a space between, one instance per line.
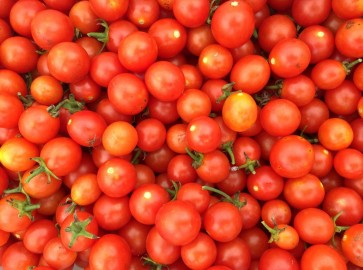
x=235, y=200
x=226, y=91
x=135, y=158
x=78, y=228
x=212, y=8
x=273, y=231
x=348, y=66
x=27, y=101
x=249, y=166
x=102, y=37
x=70, y=104
x=197, y=158
x=25, y=208
x=174, y=191
x=337, y=229
x=42, y=168
x=228, y=148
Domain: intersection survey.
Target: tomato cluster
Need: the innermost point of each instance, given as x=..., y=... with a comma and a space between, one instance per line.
x=181, y=134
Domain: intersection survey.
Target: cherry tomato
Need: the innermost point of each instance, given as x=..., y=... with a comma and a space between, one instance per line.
x=239, y=15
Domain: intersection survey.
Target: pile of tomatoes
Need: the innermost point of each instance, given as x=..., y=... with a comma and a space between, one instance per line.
x=181, y=134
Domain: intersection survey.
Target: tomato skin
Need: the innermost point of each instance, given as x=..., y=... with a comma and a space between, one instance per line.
x=265, y=185
x=178, y=222
x=292, y=156
x=273, y=29
x=303, y=192
x=109, y=10
x=68, y=62
x=19, y=54
x=280, y=117
x=352, y=244
x=62, y=155
x=151, y=134
x=349, y=163
x=38, y=234
x=314, y=226
x=170, y=83
x=215, y=61
x=16, y=154
x=50, y=27
x=200, y=253
x=12, y=82
x=86, y=128
x=310, y=12
x=57, y=255
x=170, y=36
x=348, y=40
x=111, y=213
x=234, y=254
x=335, y=134
x=161, y=250
x=216, y=221
x=119, y=138
x=116, y=177
x=240, y=15
x=137, y=51
x=239, y=111
x=17, y=256
x=37, y=125
x=346, y=201
x=277, y=258
x=203, y=134
x=145, y=202
x=11, y=110
x=289, y=58
x=322, y=257
x=21, y=15
x=244, y=74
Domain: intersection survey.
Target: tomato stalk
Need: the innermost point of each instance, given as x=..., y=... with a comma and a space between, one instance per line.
x=196, y=156
x=227, y=147
x=174, y=191
x=153, y=265
x=78, y=228
x=226, y=91
x=233, y=200
x=70, y=104
x=348, y=66
x=101, y=36
x=25, y=208
x=27, y=101
x=275, y=231
x=136, y=157
x=42, y=168
x=248, y=166
x=337, y=228
x=214, y=4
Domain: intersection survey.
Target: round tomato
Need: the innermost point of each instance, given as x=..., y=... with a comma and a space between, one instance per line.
x=239, y=111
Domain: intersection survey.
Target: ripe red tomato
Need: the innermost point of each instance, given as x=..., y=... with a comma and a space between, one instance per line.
x=50, y=27
x=178, y=222
x=233, y=23
x=292, y=156
x=352, y=244
x=289, y=57
x=347, y=39
x=68, y=62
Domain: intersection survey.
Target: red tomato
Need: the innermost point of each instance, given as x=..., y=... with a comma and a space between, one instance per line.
x=50, y=27
x=178, y=222
x=165, y=81
x=352, y=244
x=109, y=10
x=116, y=177
x=322, y=256
x=68, y=62
x=347, y=38
x=289, y=57
x=79, y=231
x=233, y=23
x=292, y=156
